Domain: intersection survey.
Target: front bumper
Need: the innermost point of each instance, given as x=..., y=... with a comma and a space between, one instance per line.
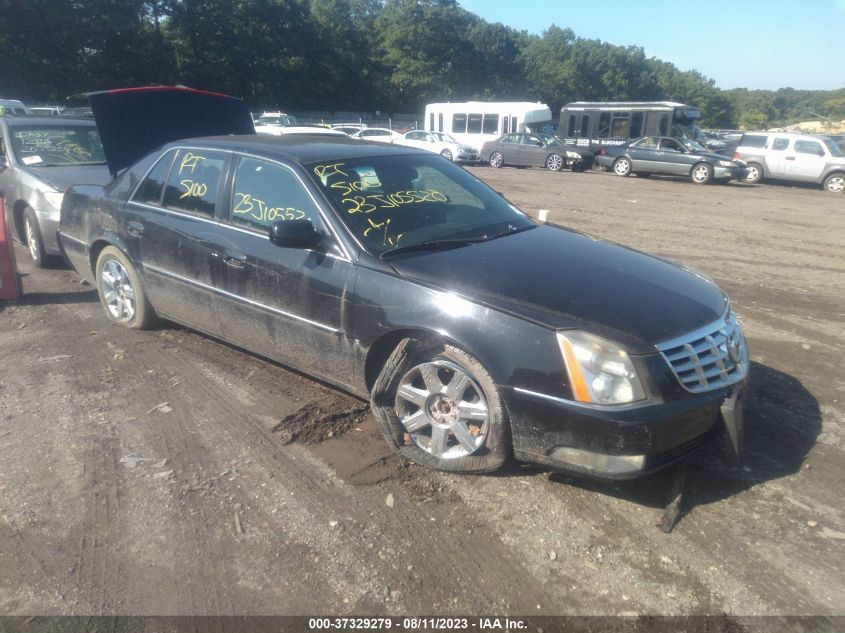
x=612, y=442
x=466, y=157
x=732, y=173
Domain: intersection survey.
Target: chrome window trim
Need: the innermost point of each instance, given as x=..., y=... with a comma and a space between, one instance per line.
x=255, y=304
x=585, y=405
x=224, y=225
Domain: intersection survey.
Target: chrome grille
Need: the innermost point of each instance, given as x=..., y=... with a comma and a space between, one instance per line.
x=711, y=357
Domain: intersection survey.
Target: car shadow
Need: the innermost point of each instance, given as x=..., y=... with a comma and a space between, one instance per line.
x=782, y=422
x=52, y=298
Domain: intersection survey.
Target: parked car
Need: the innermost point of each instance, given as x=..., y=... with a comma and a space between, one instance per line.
x=349, y=128
x=39, y=159
x=273, y=122
x=310, y=129
x=398, y=276
x=439, y=143
x=381, y=134
x=535, y=150
x=665, y=155
x=12, y=107
x=795, y=157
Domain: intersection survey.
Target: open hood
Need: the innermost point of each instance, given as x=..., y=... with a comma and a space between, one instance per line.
x=134, y=121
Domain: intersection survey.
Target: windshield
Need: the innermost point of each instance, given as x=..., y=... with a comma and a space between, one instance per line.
x=393, y=201
x=833, y=148
x=50, y=145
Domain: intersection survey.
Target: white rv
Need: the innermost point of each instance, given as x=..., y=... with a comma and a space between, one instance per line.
x=474, y=123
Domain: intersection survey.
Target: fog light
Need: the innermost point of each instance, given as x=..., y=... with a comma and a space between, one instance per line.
x=598, y=462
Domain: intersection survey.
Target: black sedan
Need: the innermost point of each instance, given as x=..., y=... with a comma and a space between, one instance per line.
x=535, y=150
x=392, y=273
x=678, y=157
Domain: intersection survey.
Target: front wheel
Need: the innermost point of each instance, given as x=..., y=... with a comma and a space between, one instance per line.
x=120, y=291
x=34, y=241
x=438, y=406
x=622, y=167
x=755, y=173
x=554, y=162
x=835, y=183
x=702, y=173
x=446, y=154
x=496, y=160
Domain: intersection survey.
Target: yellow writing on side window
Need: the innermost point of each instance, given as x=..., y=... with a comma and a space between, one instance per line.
x=193, y=189
x=247, y=205
x=190, y=161
x=324, y=171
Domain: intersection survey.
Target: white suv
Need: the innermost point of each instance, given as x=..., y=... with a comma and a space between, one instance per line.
x=788, y=156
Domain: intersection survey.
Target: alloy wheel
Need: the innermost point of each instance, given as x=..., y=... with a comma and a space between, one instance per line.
x=442, y=409
x=31, y=238
x=118, y=293
x=622, y=167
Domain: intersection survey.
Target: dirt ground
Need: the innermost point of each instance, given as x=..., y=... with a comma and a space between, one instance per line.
x=163, y=472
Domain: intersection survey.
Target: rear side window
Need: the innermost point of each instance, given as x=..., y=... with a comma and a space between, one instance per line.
x=267, y=193
x=753, y=140
x=490, y=124
x=149, y=191
x=780, y=144
x=809, y=147
x=194, y=181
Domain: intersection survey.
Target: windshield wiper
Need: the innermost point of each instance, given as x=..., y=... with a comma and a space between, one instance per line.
x=432, y=245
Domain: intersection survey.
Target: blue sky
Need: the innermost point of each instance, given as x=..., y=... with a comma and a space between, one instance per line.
x=739, y=44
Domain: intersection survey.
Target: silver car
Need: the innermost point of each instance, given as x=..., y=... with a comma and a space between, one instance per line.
x=39, y=159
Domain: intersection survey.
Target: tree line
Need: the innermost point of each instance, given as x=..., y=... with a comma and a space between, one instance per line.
x=351, y=55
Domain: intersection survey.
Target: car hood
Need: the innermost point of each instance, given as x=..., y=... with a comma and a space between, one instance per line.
x=565, y=279
x=61, y=177
x=134, y=121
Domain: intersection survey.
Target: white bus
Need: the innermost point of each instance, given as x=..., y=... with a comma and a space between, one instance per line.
x=475, y=122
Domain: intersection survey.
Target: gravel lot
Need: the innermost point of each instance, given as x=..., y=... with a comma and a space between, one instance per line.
x=163, y=472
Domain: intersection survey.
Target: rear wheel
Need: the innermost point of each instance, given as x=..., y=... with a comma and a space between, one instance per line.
x=554, y=162
x=622, y=167
x=702, y=173
x=120, y=291
x=438, y=406
x=835, y=183
x=34, y=241
x=755, y=173
x=496, y=159
x=446, y=154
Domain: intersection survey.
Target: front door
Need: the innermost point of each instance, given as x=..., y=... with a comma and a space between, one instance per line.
x=808, y=162
x=288, y=304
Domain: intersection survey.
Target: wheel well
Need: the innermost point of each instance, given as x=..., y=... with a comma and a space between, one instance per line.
x=17, y=216
x=94, y=254
x=384, y=346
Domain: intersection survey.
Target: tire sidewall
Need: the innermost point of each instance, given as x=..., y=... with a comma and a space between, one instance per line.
x=446, y=154
x=620, y=161
x=497, y=447
x=549, y=160
x=707, y=167
x=758, y=169
x=31, y=220
x=830, y=178
x=494, y=161
x=143, y=312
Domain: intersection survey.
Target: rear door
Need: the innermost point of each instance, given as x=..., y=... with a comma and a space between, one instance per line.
x=170, y=227
x=284, y=303
x=644, y=155
x=807, y=161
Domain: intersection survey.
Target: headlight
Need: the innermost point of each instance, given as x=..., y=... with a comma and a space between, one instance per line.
x=54, y=198
x=573, y=155
x=600, y=372
x=726, y=163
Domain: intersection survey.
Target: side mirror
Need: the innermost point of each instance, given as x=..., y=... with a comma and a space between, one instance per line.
x=295, y=234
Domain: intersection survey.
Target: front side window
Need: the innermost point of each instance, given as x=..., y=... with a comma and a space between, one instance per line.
x=194, y=181
x=780, y=144
x=150, y=189
x=266, y=193
x=55, y=145
x=389, y=202
x=809, y=147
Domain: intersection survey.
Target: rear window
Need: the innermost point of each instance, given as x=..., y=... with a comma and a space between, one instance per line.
x=753, y=140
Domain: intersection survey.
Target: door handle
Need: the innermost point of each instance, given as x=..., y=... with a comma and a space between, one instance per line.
x=235, y=261
x=135, y=229
x=790, y=158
